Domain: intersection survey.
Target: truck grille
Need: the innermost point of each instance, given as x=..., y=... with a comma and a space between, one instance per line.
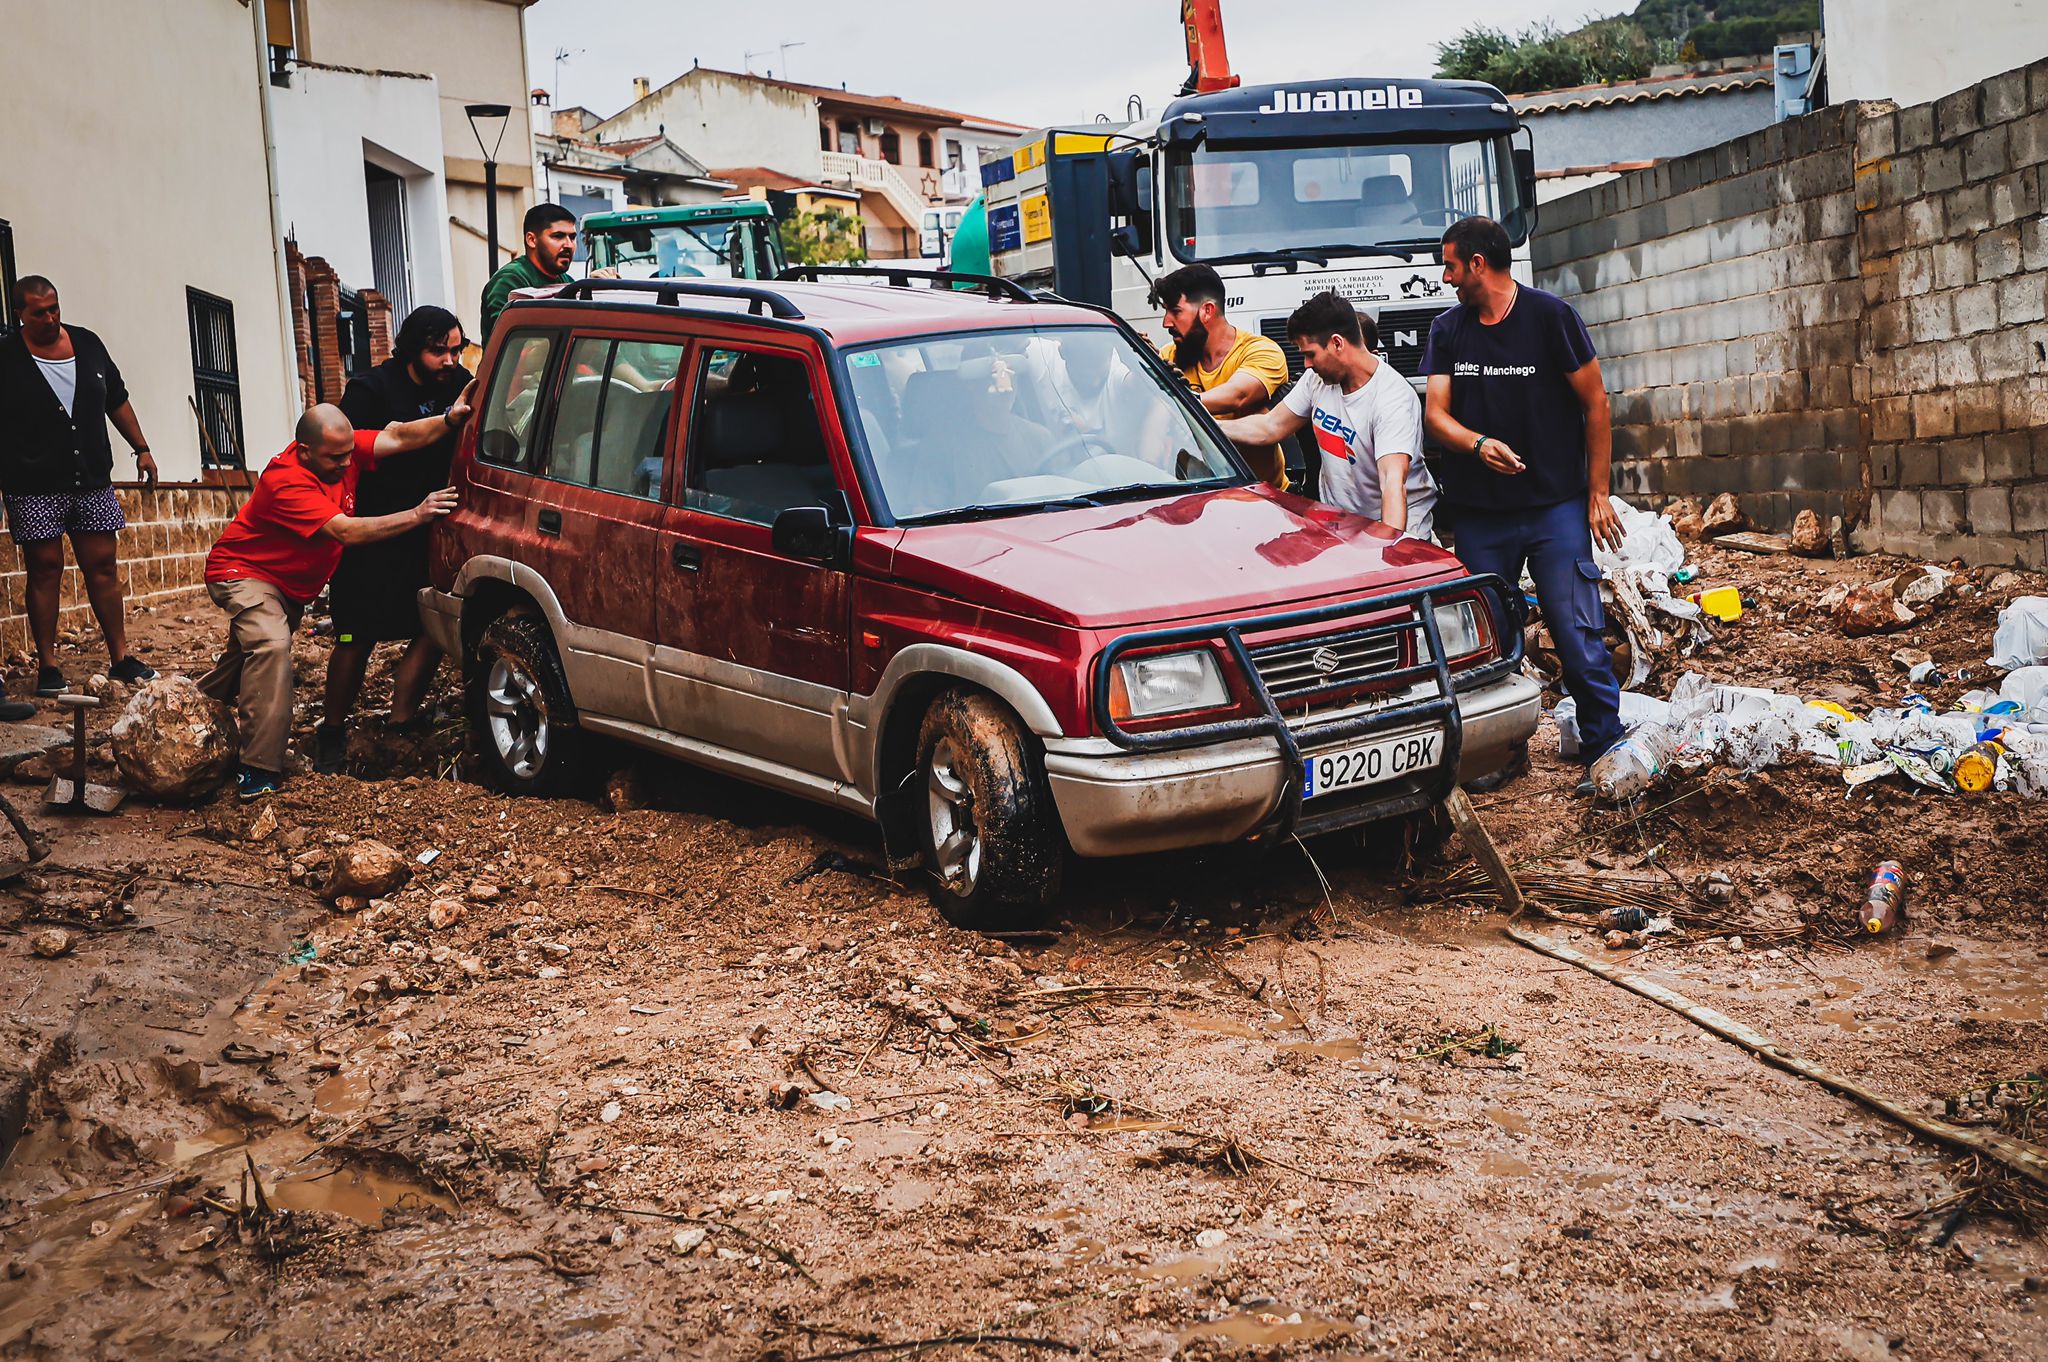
x=1404, y=334
x=1290, y=669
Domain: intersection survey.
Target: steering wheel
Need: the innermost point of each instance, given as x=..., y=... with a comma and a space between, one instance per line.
x=1081, y=446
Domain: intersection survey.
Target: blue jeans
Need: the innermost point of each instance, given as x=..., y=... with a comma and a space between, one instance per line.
x=1557, y=544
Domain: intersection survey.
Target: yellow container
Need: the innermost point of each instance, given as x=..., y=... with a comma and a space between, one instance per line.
x=1977, y=768
x=1724, y=603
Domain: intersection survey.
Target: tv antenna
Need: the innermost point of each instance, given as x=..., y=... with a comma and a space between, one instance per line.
x=781, y=51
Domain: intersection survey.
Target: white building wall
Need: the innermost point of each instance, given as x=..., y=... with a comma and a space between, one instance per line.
x=723, y=121
x=1911, y=52
x=133, y=167
x=327, y=125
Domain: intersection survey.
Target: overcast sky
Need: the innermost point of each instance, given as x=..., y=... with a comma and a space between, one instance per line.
x=1028, y=61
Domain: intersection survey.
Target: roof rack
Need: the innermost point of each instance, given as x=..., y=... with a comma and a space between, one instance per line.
x=671, y=292
x=1002, y=289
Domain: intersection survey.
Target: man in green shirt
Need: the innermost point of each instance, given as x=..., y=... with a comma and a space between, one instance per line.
x=550, y=246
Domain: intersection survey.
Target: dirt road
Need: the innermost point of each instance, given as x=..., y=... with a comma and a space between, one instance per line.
x=688, y=1081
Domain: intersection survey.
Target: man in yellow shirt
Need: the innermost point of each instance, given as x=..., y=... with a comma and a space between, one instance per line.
x=1235, y=372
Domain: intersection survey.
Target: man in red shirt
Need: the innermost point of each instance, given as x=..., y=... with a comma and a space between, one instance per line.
x=277, y=554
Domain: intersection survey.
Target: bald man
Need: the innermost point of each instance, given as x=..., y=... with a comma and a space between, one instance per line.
x=277, y=554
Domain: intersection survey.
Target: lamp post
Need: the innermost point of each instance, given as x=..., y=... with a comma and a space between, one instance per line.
x=481, y=115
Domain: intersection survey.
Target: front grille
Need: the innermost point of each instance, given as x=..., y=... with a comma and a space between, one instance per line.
x=1289, y=669
x=1404, y=334
x=1274, y=329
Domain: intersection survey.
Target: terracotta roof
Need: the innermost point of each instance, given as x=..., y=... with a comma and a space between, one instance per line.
x=1631, y=92
x=751, y=177
x=825, y=94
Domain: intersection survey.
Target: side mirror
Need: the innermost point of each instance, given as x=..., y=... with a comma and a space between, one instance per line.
x=1130, y=198
x=1525, y=190
x=803, y=532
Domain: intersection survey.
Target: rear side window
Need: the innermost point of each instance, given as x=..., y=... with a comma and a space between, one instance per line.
x=612, y=421
x=516, y=388
x=758, y=448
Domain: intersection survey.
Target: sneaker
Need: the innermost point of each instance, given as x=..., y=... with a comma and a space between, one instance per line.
x=252, y=783
x=330, y=750
x=50, y=681
x=131, y=670
x=14, y=711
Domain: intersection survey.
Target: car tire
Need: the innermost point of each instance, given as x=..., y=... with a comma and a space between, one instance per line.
x=990, y=833
x=1517, y=764
x=522, y=726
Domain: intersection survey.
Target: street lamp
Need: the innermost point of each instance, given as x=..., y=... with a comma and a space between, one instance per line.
x=481, y=116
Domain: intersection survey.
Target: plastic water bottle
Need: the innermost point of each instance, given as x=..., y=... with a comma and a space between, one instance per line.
x=1635, y=764
x=1884, y=906
x=1977, y=767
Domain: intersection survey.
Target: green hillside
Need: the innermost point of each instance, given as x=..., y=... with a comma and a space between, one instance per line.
x=1623, y=46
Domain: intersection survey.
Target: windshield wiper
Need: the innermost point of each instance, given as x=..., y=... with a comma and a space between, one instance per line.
x=1319, y=256
x=992, y=511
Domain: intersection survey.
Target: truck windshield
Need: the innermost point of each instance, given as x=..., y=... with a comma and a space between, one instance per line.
x=1236, y=200
x=743, y=249
x=1007, y=422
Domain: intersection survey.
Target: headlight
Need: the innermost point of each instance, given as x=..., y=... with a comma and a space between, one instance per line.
x=1166, y=683
x=1457, y=624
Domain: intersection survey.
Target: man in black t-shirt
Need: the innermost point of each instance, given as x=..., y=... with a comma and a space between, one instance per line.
x=1515, y=395
x=374, y=594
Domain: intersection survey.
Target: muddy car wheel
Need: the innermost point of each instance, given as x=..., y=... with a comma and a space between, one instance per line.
x=991, y=836
x=520, y=719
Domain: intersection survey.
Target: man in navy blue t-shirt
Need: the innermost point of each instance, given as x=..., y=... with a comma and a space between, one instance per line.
x=1515, y=396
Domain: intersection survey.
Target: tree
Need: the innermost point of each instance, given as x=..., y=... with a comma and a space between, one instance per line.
x=1467, y=56
x=824, y=236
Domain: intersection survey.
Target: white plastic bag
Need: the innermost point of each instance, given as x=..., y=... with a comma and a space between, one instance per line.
x=1647, y=540
x=2022, y=637
x=1636, y=710
x=2029, y=686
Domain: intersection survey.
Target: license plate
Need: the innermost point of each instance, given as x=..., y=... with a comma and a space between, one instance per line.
x=1386, y=759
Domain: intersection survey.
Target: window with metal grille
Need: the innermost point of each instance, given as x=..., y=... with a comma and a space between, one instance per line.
x=216, y=379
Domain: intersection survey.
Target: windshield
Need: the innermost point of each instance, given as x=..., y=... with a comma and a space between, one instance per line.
x=689, y=250
x=1233, y=200
x=1005, y=422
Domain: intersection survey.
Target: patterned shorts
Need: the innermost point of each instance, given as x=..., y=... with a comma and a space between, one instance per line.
x=38, y=519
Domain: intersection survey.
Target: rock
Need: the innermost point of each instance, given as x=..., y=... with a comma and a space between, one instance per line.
x=690, y=1240
x=445, y=913
x=351, y=903
x=1871, y=609
x=200, y=1238
x=1809, y=540
x=625, y=791
x=173, y=742
x=1920, y=588
x=483, y=892
x=549, y=972
x=1905, y=659
x=829, y=1101
x=36, y=770
x=611, y=1112
x=51, y=943
x=1723, y=517
x=2006, y=583
x=472, y=967
x=1686, y=518
x=263, y=824
x=1618, y=940
x=1209, y=1239
x=368, y=868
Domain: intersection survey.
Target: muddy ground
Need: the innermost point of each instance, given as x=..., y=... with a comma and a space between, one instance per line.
x=690, y=1080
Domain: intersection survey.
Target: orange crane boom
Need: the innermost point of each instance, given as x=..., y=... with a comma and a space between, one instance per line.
x=1208, y=59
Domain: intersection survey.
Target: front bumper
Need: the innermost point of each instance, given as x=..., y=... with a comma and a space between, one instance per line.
x=441, y=618
x=1119, y=803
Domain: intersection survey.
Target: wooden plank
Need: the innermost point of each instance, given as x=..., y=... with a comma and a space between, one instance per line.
x=1480, y=843
x=1749, y=541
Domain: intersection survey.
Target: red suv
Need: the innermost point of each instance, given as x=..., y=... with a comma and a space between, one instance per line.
x=967, y=561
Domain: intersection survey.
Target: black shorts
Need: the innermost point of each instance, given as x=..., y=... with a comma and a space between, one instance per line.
x=374, y=596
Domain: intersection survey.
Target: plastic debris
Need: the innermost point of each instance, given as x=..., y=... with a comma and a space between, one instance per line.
x=2022, y=636
x=1636, y=709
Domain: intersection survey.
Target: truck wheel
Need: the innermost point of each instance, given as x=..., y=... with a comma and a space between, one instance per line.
x=991, y=835
x=521, y=723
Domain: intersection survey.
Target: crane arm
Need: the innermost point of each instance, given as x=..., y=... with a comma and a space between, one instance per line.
x=1208, y=59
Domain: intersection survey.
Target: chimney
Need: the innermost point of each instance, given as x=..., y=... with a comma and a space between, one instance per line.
x=641, y=88
x=568, y=124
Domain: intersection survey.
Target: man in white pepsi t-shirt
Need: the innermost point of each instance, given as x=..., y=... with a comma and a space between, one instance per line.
x=1366, y=419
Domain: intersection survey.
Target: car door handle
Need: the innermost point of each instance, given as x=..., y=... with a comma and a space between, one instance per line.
x=686, y=557
x=549, y=522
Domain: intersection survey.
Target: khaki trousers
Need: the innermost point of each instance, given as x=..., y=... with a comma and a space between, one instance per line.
x=255, y=673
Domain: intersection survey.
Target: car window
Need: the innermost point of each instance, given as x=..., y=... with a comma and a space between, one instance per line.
x=572, y=440
x=633, y=420
x=521, y=377
x=756, y=445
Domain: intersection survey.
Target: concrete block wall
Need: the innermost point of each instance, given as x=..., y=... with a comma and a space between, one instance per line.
x=1846, y=312
x=163, y=552
x=1955, y=273
x=1722, y=291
